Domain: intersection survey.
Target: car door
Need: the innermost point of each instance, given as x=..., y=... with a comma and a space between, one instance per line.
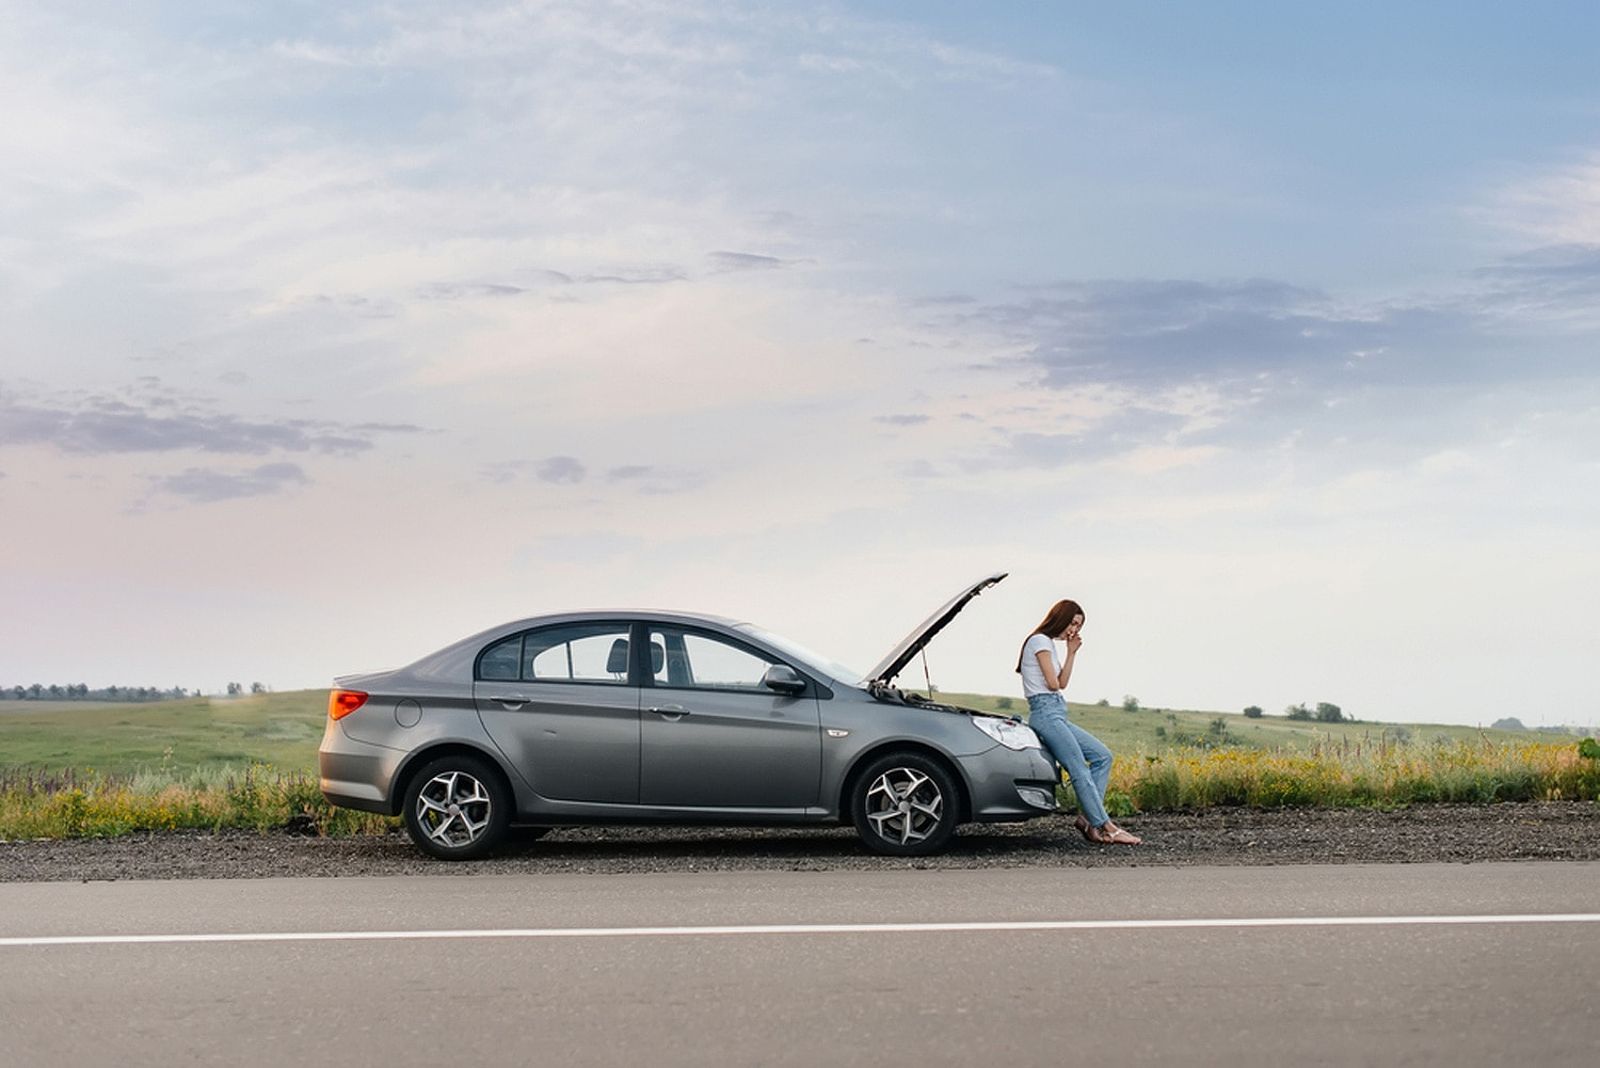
x=711, y=735
x=562, y=704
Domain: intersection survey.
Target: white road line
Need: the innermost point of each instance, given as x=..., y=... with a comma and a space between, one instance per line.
x=804, y=929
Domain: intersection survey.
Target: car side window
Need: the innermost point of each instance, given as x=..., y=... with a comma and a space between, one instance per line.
x=688, y=659
x=581, y=652
x=577, y=652
x=501, y=661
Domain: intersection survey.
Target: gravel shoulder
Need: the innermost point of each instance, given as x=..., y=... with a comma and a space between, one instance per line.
x=1433, y=833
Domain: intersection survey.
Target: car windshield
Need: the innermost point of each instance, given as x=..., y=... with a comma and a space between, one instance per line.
x=794, y=649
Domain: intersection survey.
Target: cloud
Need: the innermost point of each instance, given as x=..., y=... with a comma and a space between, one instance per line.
x=201, y=485
x=1256, y=338
x=1173, y=331
x=1559, y=206
x=1170, y=372
x=389, y=428
x=1123, y=432
x=1556, y=281
x=357, y=304
x=652, y=480
x=638, y=39
x=558, y=470
x=725, y=262
x=901, y=420
x=462, y=290
x=100, y=425
x=638, y=276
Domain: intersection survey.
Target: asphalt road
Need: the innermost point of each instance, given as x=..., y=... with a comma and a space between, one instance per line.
x=566, y=983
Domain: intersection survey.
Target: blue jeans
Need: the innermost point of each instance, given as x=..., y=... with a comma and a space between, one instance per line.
x=1084, y=757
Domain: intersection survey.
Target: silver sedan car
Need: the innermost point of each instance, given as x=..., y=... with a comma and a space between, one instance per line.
x=665, y=717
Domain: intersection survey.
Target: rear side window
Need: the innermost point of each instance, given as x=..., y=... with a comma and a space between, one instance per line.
x=585, y=652
x=500, y=661
x=576, y=652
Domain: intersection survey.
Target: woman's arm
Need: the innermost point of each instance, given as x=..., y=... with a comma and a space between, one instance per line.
x=1057, y=680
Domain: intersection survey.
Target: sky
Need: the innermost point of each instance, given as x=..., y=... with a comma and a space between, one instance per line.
x=335, y=333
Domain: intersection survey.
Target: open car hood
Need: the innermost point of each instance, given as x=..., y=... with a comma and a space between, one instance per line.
x=914, y=642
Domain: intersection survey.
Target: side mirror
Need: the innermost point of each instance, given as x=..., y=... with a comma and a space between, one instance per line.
x=784, y=679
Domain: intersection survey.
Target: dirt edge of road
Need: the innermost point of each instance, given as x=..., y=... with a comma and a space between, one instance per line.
x=1430, y=833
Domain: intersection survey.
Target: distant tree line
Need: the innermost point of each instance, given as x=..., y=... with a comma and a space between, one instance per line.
x=1512, y=723
x=1324, y=713
x=81, y=692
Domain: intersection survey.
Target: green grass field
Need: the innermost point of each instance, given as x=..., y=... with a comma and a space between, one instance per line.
x=283, y=730
x=280, y=729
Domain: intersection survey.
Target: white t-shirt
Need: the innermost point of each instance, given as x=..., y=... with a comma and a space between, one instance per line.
x=1032, y=678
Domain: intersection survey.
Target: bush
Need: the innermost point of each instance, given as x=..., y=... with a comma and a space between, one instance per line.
x=1130, y=703
x=1200, y=777
x=1297, y=712
x=1329, y=713
x=1004, y=704
x=38, y=805
x=1253, y=712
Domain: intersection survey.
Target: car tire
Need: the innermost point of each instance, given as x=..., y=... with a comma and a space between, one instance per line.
x=457, y=807
x=905, y=805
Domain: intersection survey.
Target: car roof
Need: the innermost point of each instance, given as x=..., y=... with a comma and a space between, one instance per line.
x=648, y=614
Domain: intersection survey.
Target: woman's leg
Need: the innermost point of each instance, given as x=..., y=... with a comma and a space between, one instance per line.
x=1099, y=760
x=1050, y=724
x=1097, y=755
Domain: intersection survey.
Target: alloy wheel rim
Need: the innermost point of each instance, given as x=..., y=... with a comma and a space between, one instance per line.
x=453, y=809
x=904, y=805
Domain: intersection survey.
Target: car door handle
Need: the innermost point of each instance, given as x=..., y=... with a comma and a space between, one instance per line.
x=669, y=710
x=511, y=701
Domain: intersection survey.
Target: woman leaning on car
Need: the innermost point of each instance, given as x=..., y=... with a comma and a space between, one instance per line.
x=1084, y=757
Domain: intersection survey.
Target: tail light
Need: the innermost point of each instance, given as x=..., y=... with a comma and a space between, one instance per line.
x=343, y=702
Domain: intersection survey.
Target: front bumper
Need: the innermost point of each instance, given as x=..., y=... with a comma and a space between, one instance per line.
x=1011, y=784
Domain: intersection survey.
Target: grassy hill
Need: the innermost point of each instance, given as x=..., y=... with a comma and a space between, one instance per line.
x=283, y=729
x=1151, y=730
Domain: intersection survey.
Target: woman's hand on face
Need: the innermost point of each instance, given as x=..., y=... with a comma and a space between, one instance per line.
x=1074, y=640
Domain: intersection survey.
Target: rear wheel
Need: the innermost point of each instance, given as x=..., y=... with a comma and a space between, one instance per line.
x=457, y=808
x=905, y=805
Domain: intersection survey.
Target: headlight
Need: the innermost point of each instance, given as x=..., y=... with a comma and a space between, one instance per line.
x=1010, y=733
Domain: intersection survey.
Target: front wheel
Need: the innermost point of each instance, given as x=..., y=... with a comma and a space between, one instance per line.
x=457, y=808
x=905, y=805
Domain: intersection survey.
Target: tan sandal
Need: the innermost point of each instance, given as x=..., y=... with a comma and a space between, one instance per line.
x=1111, y=834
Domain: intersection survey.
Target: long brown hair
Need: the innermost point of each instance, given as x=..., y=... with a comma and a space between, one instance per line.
x=1054, y=622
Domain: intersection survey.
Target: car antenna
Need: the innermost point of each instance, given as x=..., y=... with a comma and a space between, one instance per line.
x=925, y=676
